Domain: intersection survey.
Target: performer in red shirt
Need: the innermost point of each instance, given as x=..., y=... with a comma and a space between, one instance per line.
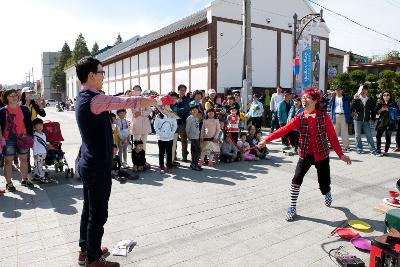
x=315, y=129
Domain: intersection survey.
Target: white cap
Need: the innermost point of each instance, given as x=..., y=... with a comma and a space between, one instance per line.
x=26, y=90
x=211, y=91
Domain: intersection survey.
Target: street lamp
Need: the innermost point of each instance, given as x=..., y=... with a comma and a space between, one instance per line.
x=299, y=25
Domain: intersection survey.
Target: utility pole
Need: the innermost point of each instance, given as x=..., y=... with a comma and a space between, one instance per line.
x=295, y=17
x=247, y=61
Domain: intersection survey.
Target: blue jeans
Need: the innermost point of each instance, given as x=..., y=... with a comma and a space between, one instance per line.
x=358, y=125
x=274, y=121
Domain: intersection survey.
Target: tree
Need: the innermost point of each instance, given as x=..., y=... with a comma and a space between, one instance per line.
x=387, y=81
x=358, y=76
x=80, y=49
x=118, y=40
x=58, y=76
x=95, y=49
x=393, y=55
x=65, y=54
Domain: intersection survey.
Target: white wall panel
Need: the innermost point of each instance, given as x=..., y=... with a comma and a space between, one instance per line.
x=166, y=57
x=111, y=88
x=118, y=69
x=144, y=82
x=105, y=88
x=199, y=51
x=155, y=82
x=229, y=56
x=127, y=85
x=182, y=53
x=105, y=68
x=166, y=83
x=264, y=57
x=143, y=63
x=127, y=67
x=182, y=77
x=134, y=66
x=286, y=60
x=134, y=81
x=119, y=87
x=322, y=57
x=111, y=72
x=154, y=60
x=199, y=79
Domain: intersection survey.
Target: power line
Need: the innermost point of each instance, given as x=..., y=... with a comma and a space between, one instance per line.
x=393, y=3
x=355, y=22
x=230, y=49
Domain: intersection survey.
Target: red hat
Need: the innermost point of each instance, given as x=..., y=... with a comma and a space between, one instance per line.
x=314, y=93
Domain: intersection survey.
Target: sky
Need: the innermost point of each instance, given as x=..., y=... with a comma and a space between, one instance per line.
x=30, y=27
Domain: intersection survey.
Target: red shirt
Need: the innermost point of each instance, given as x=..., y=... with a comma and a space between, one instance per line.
x=312, y=123
x=233, y=123
x=14, y=122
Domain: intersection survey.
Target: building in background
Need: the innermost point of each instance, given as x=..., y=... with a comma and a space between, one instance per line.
x=339, y=60
x=49, y=63
x=205, y=50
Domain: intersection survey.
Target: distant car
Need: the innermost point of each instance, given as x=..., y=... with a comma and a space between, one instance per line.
x=51, y=102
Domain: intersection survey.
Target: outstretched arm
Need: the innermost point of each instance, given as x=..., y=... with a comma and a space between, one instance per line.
x=293, y=124
x=101, y=103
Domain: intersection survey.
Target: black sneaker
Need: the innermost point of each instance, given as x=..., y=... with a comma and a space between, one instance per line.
x=27, y=183
x=10, y=187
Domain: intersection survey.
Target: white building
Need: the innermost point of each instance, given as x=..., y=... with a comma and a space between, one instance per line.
x=49, y=63
x=204, y=50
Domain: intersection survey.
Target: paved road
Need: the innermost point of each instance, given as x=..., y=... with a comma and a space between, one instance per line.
x=232, y=215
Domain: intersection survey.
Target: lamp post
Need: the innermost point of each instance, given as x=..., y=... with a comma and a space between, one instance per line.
x=299, y=25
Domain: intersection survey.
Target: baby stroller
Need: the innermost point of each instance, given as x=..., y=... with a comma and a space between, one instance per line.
x=55, y=155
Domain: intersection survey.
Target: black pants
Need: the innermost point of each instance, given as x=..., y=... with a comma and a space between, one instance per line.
x=323, y=171
x=165, y=147
x=235, y=137
x=256, y=121
x=96, y=193
x=286, y=137
x=379, y=134
x=274, y=121
x=195, y=151
x=294, y=139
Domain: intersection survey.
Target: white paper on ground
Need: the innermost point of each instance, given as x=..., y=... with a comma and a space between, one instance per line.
x=123, y=247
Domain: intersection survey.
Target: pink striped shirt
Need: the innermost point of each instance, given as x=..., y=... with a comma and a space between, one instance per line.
x=101, y=103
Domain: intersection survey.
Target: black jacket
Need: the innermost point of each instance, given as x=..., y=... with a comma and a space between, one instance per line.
x=27, y=120
x=361, y=112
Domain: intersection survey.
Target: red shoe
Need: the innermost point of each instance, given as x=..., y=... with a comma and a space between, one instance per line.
x=82, y=255
x=102, y=263
x=397, y=149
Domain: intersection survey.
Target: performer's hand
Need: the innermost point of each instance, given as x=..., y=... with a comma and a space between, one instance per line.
x=346, y=159
x=165, y=100
x=261, y=144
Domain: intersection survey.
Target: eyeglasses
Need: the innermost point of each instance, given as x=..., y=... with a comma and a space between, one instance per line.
x=102, y=72
x=13, y=95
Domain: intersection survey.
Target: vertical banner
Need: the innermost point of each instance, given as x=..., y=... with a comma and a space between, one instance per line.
x=316, y=62
x=306, y=57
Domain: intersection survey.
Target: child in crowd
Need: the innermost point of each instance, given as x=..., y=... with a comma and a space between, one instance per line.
x=139, y=157
x=229, y=151
x=193, y=133
x=116, y=172
x=209, y=139
x=245, y=148
x=123, y=136
x=294, y=135
x=232, y=127
x=39, y=151
x=165, y=129
x=114, y=128
x=263, y=152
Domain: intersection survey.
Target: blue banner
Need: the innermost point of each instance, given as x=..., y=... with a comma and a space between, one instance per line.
x=306, y=68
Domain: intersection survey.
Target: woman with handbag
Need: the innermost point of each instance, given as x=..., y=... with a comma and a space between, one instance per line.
x=17, y=130
x=385, y=124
